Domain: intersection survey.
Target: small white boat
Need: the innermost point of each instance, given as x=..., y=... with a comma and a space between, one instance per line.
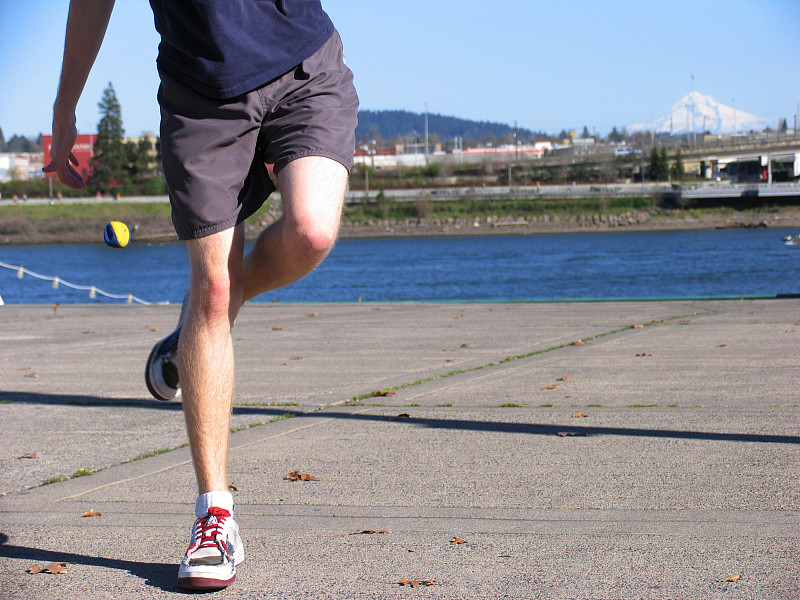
x=792, y=240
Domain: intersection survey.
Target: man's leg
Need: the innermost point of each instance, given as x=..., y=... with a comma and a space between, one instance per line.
x=206, y=369
x=312, y=190
x=206, y=352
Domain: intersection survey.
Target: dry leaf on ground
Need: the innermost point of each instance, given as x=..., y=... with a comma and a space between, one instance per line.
x=364, y=531
x=233, y=488
x=381, y=393
x=415, y=583
x=53, y=568
x=570, y=433
x=564, y=378
x=730, y=578
x=56, y=568
x=579, y=415
x=457, y=540
x=549, y=387
x=91, y=513
x=277, y=328
x=31, y=455
x=298, y=476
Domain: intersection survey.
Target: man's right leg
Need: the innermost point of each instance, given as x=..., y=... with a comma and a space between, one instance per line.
x=206, y=367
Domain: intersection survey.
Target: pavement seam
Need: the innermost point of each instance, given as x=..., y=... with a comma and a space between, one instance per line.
x=233, y=447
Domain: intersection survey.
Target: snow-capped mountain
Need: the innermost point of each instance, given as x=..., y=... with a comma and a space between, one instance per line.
x=697, y=112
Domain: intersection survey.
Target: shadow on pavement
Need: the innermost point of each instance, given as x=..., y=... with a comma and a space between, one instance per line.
x=158, y=575
x=457, y=424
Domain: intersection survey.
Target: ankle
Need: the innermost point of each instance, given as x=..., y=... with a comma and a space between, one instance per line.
x=209, y=499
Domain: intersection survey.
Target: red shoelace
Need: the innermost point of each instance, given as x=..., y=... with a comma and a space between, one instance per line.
x=208, y=532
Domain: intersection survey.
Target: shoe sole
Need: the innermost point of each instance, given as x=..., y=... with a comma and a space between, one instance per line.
x=198, y=582
x=149, y=381
x=204, y=583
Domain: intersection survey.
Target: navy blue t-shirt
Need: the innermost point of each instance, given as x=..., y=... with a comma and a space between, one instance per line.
x=224, y=48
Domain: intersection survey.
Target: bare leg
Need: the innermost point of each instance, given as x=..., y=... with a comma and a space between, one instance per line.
x=206, y=352
x=312, y=190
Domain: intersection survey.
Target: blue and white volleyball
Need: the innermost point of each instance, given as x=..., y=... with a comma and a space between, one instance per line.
x=116, y=234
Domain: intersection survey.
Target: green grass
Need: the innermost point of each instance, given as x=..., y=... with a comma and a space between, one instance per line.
x=119, y=211
x=642, y=405
x=55, y=479
x=156, y=452
x=443, y=405
x=510, y=405
x=82, y=473
x=548, y=405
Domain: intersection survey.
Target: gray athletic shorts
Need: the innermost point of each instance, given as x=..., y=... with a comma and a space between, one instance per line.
x=214, y=151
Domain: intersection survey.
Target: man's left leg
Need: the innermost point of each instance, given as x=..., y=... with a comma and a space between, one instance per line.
x=312, y=190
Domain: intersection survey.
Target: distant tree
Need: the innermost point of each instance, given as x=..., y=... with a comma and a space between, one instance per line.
x=585, y=133
x=659, y=164
x=663, y=163
x=19, y=143
x=138, y=159
x=563, y=135
x=615, y=136
x=677, y=168
x=782, y=126
x=2, y=141
x=110, y=159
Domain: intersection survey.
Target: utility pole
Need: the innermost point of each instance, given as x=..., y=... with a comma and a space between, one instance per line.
x=694, y=110
x=426, y=133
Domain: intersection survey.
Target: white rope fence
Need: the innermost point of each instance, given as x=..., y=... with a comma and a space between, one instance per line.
x=93, y=290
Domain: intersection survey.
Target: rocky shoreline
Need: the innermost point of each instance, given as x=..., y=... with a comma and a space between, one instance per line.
x=631, y=221
x=151, y=229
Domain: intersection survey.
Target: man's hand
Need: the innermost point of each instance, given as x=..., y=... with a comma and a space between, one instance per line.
x=61, y=157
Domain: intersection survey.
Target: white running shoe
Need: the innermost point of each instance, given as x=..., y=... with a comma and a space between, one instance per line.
x=161, y=370
x=216, y=549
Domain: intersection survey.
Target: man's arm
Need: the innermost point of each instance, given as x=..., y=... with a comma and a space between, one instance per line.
x=86, y=28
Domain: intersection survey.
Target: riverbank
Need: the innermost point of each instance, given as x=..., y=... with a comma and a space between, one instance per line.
x=149, y=226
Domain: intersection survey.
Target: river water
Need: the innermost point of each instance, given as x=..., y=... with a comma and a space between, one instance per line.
x=635, y=265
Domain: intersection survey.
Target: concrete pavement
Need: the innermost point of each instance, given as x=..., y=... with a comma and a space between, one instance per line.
x=683, y=471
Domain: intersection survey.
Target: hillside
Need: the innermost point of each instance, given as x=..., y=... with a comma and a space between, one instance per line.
x=401, y=123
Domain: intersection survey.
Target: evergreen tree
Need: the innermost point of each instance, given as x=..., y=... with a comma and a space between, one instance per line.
x=110, y=159
x=659, y=164
x=663, y=164
x=2, y=141
x=677, y=169
x=615, y=136
x=19, y=143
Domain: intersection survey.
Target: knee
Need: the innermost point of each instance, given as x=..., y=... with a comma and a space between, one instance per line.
x=314, y=240
x=214, y=299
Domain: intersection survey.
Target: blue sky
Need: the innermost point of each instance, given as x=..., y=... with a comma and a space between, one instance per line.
x=548, y=65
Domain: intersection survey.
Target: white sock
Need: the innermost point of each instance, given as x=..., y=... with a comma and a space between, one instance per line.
x=209, y=499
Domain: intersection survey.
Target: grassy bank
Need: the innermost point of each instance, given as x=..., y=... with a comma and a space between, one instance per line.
x=151, y=221
x=470, y=208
